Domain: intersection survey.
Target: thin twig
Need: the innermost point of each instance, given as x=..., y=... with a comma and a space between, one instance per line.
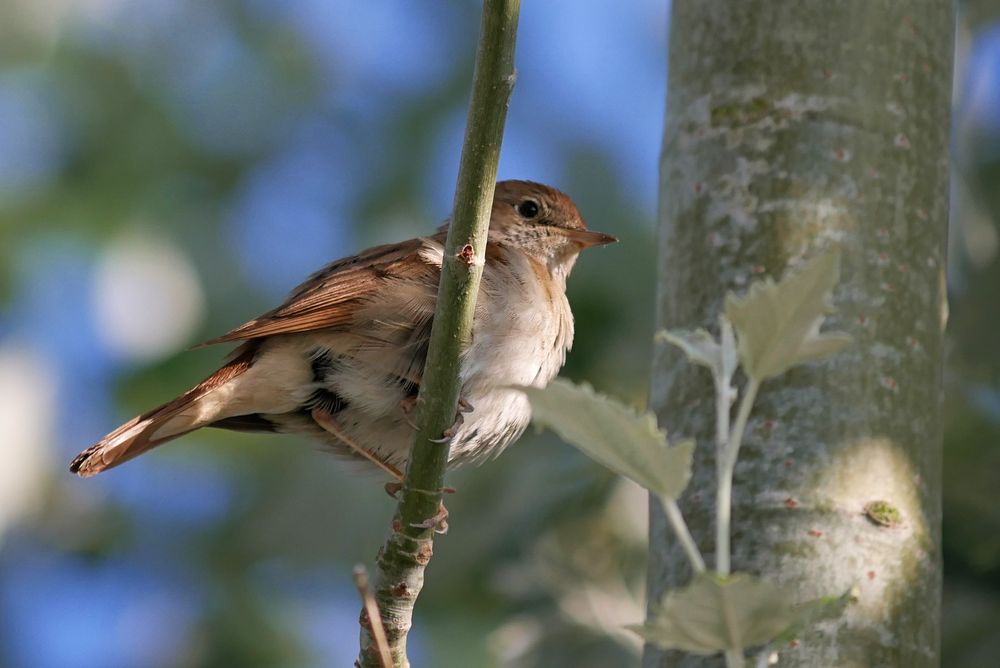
x=374, y=618
x=399, y=573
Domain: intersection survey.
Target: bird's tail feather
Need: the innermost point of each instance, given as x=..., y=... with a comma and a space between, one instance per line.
x=173, y=419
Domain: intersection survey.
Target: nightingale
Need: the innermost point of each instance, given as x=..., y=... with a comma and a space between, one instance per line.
x=341, y=360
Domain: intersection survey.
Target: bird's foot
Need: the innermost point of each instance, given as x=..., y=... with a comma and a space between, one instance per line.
x=463, y=407
x=438, y=522
x=330, y=425
x=407, y=406
x=453, y=429
x=393, y=489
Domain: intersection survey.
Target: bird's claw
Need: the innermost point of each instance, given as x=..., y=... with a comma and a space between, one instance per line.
x=437, y=522
x=450, y=432
x=407, y=406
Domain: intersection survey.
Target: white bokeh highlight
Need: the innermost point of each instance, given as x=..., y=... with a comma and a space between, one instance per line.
x=28, y=389
x=147, y=298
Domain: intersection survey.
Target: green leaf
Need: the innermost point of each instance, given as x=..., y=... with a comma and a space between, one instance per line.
x=778, y=323
x=718, y=613
x=700, y=347
x=614, y=435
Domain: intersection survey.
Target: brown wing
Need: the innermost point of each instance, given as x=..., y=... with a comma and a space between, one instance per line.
x=331, y=296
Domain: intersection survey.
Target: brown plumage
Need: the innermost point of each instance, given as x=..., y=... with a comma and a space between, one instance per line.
x=341, y=360
x=136, y=436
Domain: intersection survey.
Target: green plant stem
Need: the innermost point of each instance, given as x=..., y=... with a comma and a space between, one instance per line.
x=723, y=404
x=724, y=496
x=400, y=565
x=724, y=488
x=728, y=456
x=726, y=453
x=680, y=527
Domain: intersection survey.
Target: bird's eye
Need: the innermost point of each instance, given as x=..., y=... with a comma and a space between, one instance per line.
x=528, y=209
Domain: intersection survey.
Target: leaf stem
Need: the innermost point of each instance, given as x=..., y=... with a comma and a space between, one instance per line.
x=725, y=464
x=680, y=527
x=723, y=404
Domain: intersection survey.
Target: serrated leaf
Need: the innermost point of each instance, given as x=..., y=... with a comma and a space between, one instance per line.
x=821, y=346
x=699, y=346
x=614, y=435
x=715, y=614
x=778, y=323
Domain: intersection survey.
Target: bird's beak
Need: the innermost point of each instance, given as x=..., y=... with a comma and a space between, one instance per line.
x=588, y=238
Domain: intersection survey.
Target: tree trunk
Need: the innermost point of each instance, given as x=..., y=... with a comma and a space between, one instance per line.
x=792, y=126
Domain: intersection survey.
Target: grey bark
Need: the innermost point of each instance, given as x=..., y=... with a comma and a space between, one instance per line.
x=791, y=126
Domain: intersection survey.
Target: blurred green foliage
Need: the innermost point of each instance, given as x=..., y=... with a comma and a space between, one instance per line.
x=236, y=550
x=234, y=131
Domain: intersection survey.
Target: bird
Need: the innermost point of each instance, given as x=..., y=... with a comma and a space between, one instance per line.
x=341, y=359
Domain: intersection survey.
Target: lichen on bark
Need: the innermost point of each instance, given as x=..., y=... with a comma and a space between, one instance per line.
x=791, y=127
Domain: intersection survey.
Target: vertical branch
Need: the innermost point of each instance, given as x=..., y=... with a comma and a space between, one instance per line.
x=401, y=562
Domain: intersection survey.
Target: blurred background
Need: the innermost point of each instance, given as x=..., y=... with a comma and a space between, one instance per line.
x=170, y=168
